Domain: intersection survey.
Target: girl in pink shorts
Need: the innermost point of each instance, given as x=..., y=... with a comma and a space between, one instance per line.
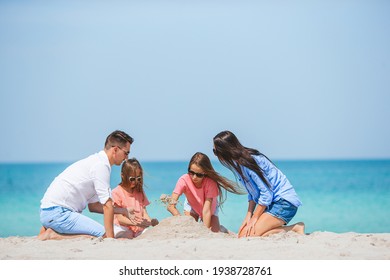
x=202, y=187
x=130, y=194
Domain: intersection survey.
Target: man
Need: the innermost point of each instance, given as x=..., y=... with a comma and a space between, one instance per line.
x=85, y=182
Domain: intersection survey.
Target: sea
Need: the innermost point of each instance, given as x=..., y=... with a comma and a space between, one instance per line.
x=338, y=195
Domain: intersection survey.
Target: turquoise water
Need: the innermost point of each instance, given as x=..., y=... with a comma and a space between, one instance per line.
x=338, y=196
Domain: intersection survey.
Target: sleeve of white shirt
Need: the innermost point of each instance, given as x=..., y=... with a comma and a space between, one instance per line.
x=101, y=179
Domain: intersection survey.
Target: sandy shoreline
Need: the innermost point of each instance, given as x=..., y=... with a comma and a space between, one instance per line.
x=181, y=238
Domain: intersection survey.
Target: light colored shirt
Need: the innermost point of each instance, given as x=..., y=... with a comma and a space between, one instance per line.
x=259, y=192
x=85, y=181
x=136, y=200
x=197, y=196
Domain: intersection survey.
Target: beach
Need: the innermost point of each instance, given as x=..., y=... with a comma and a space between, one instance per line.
x=181, y=238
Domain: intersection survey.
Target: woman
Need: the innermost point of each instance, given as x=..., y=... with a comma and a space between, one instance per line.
x=202, y=186
x=130, y=194
x=273, y=201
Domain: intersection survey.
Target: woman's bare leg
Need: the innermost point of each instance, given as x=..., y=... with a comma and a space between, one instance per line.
x=298, y=228
x=266, y=223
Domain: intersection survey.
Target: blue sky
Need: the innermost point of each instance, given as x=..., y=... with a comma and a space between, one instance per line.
x=294, y=79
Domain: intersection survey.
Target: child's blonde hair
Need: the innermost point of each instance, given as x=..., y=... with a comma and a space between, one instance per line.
x=129, y=169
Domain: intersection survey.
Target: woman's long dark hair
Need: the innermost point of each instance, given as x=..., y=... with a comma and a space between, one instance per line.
x=231, y=153
x=223, y=183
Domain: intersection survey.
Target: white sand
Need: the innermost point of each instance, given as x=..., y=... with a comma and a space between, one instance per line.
x=181, y=238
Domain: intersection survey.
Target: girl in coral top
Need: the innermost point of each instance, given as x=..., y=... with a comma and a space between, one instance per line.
x=130, y=194
x=202, y=187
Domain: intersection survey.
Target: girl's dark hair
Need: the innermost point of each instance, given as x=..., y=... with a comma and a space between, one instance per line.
x=223, y=183
x=231, y=153
x=129, y=168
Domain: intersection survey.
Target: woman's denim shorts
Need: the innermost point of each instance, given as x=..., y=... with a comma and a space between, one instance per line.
x=283, y=210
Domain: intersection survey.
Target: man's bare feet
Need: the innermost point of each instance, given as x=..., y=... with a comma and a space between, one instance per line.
x=46, y=234
x=42, y=230
x=49, y=234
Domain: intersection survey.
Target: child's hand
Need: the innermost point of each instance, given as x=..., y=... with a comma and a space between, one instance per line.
x=135, y=221
x=131, y=213
x=154, y=222
x=144, y=223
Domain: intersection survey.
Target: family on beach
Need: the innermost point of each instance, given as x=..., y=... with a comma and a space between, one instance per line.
x=272, y=200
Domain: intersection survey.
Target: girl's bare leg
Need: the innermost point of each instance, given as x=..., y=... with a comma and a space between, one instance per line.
x=194, y=215
x=125, y=234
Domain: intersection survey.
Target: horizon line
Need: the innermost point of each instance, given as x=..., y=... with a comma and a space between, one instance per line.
x=183, y=160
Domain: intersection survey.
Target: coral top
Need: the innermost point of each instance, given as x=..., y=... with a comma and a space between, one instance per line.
x=136, y=200
x=197, y=196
